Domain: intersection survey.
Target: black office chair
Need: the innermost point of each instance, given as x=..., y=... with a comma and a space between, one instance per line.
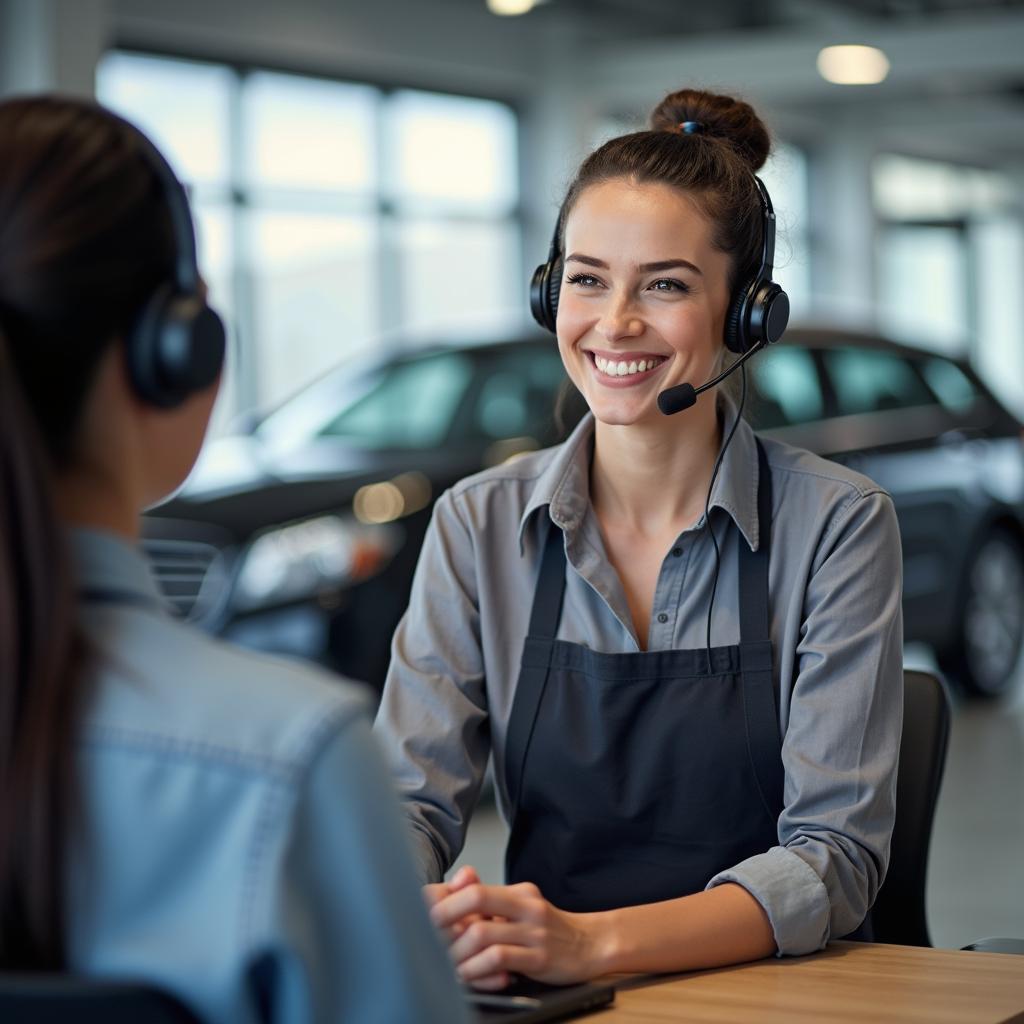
x=898, y=915
x=68, y=999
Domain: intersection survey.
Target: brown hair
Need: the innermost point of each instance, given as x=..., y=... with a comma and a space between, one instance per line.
x=714, y=164
x=84, y=240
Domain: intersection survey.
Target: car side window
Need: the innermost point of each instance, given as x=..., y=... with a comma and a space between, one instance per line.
x=866, y=380
x=953, y=388
x=412, y=406
x=517, y=397
x=786, y=389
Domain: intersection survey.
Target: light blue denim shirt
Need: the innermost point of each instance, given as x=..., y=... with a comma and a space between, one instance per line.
x=239, y=844
x=836, y=627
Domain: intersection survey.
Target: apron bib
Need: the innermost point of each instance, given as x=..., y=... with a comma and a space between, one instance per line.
x=637, y=777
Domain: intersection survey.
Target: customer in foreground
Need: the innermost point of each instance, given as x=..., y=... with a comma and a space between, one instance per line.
x=213, y=822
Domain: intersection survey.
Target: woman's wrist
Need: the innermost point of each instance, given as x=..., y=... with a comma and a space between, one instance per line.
x=603, y=942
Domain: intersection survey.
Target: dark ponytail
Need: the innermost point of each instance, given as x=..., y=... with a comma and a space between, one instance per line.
x=40, y=655
x=84, y=240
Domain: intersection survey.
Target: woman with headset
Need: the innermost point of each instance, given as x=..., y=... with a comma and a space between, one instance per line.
x=215, y=822
x=681, y=643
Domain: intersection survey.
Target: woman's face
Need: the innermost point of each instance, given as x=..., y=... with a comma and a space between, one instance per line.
x=643, y=300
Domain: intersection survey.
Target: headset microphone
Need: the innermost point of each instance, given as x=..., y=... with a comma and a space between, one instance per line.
x=682, y=396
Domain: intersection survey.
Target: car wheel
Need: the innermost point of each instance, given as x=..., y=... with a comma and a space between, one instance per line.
x=991, y=626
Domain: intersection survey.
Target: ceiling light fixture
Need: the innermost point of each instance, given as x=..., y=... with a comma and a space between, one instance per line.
x=509, y=8
x=853, y=65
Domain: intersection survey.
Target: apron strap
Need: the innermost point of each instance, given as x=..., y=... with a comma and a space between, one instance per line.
x=550, y=590
x=533, y=674
x=760, y=711
x=754, y=618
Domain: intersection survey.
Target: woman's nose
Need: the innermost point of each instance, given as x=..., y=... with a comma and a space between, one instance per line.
x=619, y=319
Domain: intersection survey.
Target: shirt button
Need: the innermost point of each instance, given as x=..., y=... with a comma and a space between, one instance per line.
x=662, y=617
x=676, y=552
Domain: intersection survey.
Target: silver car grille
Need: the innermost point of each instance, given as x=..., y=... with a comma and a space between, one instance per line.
x=192, y=575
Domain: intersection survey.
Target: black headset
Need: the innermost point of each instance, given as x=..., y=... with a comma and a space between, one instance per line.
x=176, y=345
x=758, y=312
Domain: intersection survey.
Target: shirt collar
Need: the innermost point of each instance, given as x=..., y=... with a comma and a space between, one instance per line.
x=107, y=564
x=564, y=485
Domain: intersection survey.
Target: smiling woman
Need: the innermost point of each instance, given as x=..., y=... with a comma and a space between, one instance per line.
x=686, y=784
x=620, y=309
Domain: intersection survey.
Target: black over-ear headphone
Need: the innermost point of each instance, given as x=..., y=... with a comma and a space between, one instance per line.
x=176, y=346
x=758, y=312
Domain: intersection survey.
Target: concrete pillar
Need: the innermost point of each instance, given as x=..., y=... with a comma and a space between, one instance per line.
x=843, y=226
x=52, y=45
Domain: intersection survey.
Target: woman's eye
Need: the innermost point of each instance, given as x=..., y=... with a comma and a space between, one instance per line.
x=669, y=284
x=587, y=280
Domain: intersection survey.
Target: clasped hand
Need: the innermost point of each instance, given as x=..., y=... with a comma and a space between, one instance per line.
x=495, y=931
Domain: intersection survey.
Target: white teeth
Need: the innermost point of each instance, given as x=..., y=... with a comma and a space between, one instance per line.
x=622, y=368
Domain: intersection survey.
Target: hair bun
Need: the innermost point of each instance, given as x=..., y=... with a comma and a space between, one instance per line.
x=723, y=117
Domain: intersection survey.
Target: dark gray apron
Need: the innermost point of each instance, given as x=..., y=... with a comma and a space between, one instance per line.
x=637, y=777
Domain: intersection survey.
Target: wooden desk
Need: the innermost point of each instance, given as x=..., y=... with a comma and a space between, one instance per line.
x=859, y=983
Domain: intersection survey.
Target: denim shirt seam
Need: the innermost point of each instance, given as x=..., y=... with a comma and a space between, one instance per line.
x=273, y=809
x=171, y=748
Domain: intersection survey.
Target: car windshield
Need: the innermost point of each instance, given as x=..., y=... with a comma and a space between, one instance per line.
x=785, y=389
x=868, y=381
x=411, y=404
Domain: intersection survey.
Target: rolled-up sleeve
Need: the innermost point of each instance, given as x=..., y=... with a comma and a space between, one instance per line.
x=841, y=743
x=433, y=719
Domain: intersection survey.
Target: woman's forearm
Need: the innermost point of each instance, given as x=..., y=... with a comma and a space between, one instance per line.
x=720, y=926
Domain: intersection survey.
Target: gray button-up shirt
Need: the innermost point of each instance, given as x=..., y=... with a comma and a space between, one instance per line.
x=836, y=629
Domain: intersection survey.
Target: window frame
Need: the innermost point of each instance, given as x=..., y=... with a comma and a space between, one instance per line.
x=240, y=198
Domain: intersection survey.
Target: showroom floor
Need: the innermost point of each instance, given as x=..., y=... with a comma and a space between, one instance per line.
x=976, y=874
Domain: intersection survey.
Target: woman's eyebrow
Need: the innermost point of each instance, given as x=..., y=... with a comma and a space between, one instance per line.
x=647, y=268
x=644, y=268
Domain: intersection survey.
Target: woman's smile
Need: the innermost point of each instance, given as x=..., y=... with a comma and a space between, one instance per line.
x=624, y=369
x=643, y=298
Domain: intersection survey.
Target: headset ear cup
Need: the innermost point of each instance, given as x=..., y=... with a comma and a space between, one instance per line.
x=735, y=334
x=554, y=285
x=544, y=291
x=175, y=349
x=539, y=295
x=771, y=312
x=142, y=348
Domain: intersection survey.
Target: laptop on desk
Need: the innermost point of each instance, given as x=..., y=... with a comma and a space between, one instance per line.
x=531, y=1002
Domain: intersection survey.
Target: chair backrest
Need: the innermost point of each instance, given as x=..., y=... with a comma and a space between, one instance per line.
x=63, y=999
x=899, y=912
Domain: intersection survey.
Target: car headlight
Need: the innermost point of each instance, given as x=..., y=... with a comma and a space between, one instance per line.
x=310, y=558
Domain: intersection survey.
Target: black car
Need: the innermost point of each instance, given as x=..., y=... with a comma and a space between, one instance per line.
x=302, y=535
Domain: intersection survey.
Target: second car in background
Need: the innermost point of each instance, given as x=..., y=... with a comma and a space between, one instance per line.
x=302, y=535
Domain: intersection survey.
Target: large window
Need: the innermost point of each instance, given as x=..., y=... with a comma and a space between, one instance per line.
x=950, y=259
x=330, y=214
